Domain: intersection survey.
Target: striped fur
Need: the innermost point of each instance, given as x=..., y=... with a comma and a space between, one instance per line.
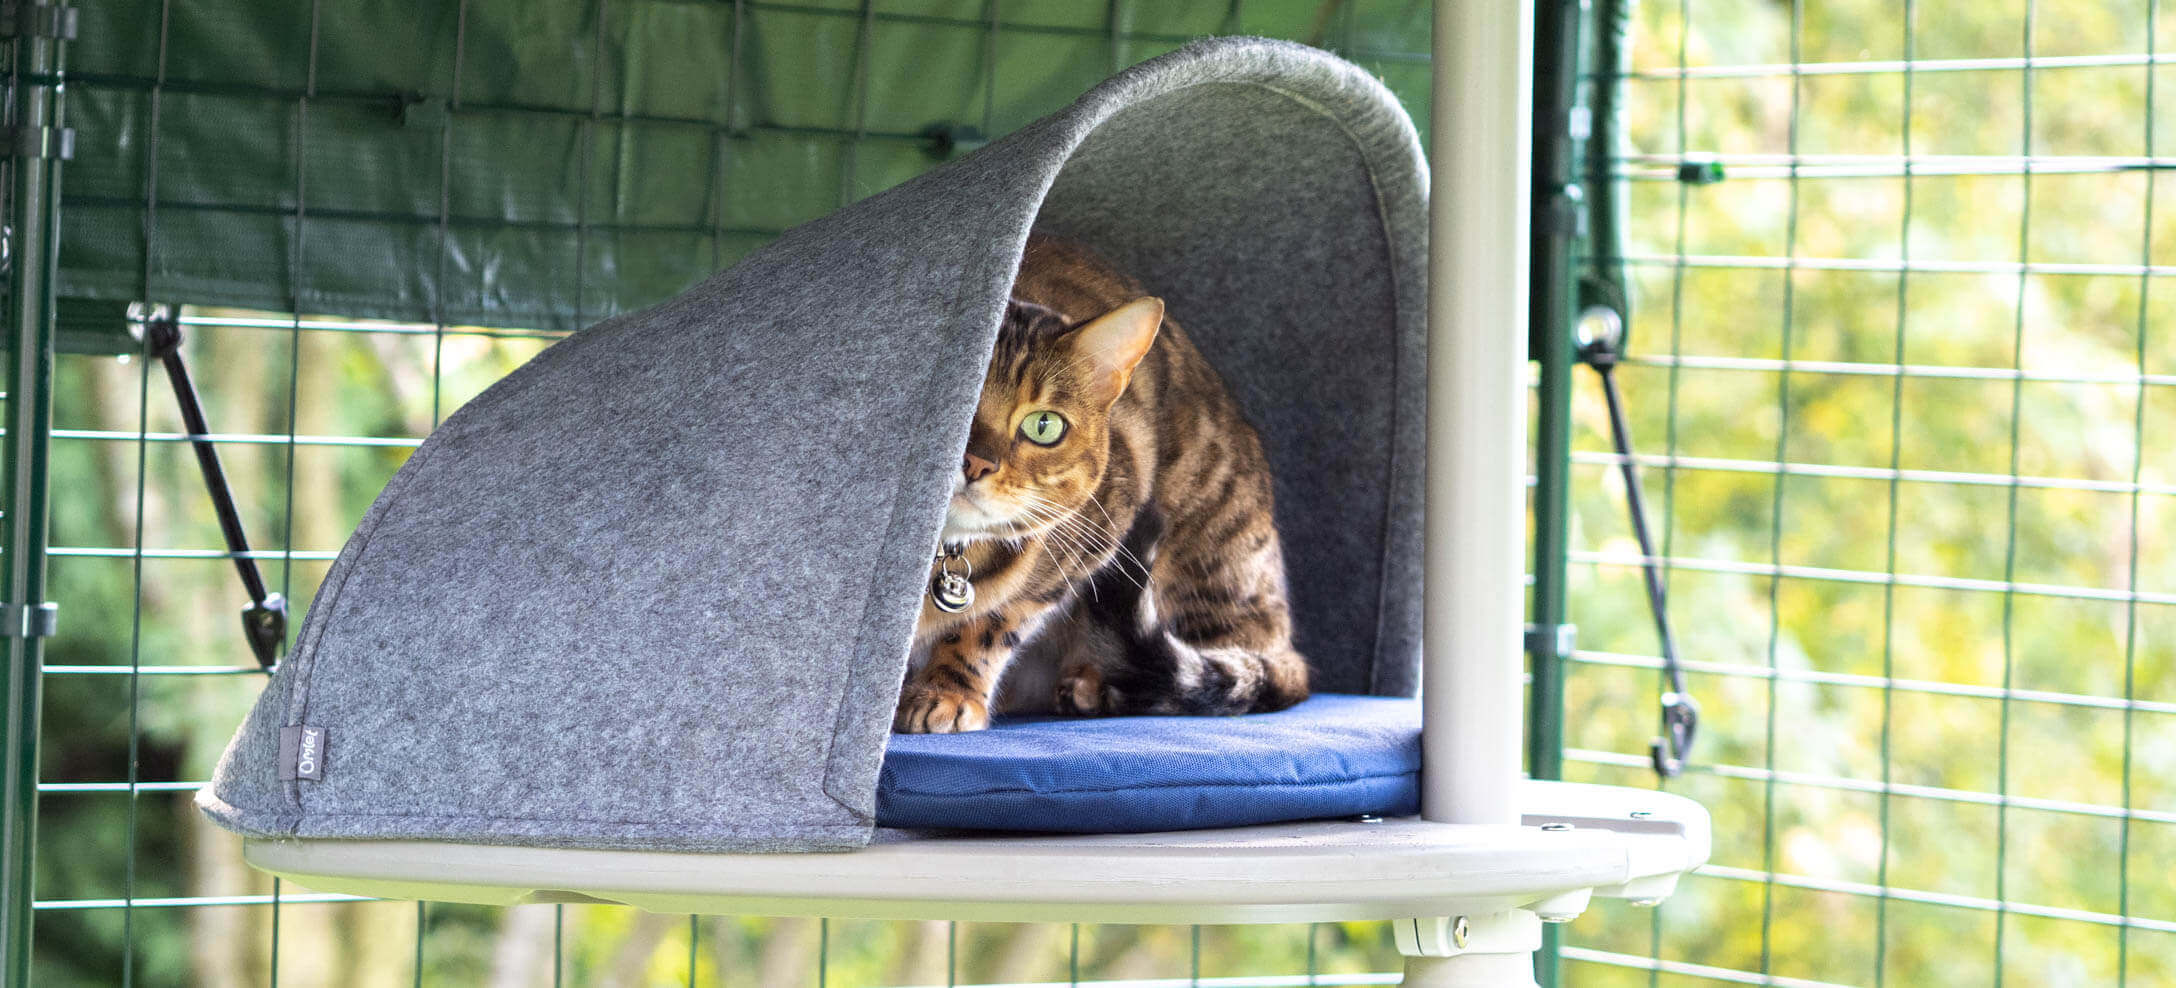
x=1135, y=560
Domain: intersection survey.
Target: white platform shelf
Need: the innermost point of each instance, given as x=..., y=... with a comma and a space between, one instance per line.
x=1577, y=841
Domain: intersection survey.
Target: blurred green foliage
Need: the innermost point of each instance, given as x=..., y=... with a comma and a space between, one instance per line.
x=1824, y=726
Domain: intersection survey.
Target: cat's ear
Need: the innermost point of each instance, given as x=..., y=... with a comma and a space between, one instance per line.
x=1107, y=348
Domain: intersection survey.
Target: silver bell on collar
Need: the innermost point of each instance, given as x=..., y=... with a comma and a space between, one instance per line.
x=952, y=592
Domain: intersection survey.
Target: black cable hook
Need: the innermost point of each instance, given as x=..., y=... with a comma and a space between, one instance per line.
x=264, y=621
x=1600, y=341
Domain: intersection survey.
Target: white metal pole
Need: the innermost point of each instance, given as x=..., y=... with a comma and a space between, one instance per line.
x=1481, y=152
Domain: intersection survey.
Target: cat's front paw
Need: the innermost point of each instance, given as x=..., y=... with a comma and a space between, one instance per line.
x=930, y=710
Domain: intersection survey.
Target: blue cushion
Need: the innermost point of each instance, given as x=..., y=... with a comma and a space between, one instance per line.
x=1332, y=756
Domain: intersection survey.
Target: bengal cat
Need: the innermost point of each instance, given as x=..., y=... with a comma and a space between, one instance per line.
x=1114, y=507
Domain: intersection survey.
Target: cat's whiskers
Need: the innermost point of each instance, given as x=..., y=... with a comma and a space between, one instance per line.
x=1102, y=543
x=1101, y=539
x=1053, y=545
x=1094, y=543
x=1113, y=522
x=1033, y=522
x=1059, y=532
x=1069, y=520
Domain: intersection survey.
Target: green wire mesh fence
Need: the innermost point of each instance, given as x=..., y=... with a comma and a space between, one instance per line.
x=373, y=211
x=1898, y=380
x=1903, y=379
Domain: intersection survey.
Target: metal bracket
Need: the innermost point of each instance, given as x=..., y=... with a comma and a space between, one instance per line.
x=38, y=20
x=58, y=143
x=33, y=621
x=264, y=624
x=1564, y=907
x=1680, y=722
x=1514, y=932
x=1564, y=636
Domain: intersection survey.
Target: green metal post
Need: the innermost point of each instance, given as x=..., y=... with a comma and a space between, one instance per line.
x=33, y=192
x=1558, y=214
x=1606, y=59
x=1558, y=208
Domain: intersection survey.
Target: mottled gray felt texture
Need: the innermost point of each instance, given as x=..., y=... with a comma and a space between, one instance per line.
x=656, y=588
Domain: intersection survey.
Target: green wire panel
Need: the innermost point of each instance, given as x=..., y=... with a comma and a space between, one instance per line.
x=1904, y=386
x=369, y=212
x=543, y=165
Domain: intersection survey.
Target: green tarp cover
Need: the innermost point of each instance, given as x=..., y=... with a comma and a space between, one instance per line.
x=544, y=165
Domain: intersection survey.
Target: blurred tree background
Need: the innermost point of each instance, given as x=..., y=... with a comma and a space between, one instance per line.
x=1966, y=749
x=1944, y=778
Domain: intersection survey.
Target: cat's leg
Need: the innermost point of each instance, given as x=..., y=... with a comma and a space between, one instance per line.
x=1228, y=632
x=1207, y=632
x=1090, y=646
x=954, y=689
x=1162, y=672
x=1107, y=623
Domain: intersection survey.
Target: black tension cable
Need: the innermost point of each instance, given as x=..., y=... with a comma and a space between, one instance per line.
x=264, y=621
x=1601, y=340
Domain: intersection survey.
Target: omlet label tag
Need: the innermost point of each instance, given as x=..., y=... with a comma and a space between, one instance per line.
x=302, y=753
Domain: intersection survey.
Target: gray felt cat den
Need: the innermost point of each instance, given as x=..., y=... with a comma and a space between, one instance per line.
x=652, y=594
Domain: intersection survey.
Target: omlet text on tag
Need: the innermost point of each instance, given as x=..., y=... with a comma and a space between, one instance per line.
x=302, y=753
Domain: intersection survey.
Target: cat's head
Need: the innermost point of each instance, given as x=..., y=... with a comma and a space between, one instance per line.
x=1041, y=437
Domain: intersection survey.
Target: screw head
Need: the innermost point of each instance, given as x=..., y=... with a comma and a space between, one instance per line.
x=1459, y=932
x=1599, y=328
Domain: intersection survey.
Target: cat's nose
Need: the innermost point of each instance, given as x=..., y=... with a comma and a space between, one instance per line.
x=975, y=468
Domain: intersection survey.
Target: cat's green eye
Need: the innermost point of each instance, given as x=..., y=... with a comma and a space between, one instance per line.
x=1043, y=428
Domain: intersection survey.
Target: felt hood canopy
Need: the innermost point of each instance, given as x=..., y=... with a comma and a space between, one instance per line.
x=656, y=589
